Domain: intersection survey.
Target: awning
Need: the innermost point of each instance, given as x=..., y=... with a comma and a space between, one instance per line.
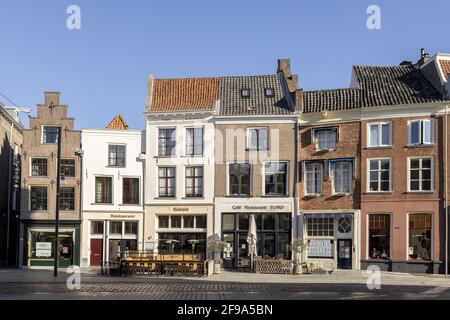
x=328, y=215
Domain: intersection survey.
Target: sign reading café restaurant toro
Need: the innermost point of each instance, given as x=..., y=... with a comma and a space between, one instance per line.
x=275, y=207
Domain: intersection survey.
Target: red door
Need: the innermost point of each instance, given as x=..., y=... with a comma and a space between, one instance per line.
x=96, y=252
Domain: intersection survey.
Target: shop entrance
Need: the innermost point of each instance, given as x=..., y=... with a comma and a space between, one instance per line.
x=116, y=247
x=96, y=252
x=344, y=259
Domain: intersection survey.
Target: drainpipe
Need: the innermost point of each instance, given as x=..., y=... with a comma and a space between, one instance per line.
x=8, y=211
x=80, y=154
x=446, y=188
x=296, y=179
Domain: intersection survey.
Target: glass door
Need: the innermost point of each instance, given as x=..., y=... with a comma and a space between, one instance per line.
x=243, y=261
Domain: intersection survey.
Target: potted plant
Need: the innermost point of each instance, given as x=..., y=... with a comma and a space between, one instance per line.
x=216, y=247
x=297, y=246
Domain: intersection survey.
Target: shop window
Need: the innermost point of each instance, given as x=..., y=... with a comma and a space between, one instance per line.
x=200, y=222
x=67, y=199
x=163, y=221
x=194, y=141
x=130, y=191
x=421, y=174
x=38, y=198
x=268, y=221
x=419, y=246
x=284, y=246
x=67, y=168
x=166, y=142
x=39, y=167
x=175, y=221
x=240, y=177
x=313, y=178
x=379, y=236
x=421, y=132
x=342, y=177
x=228, y=221
x=380, y=175
x=166, y=176
x=380, y=134
x=103, y=192
x=258, y=139
x=96, y=227
x=243, y=221
x=320, y=227
x=116, y=155
x=50, y=134
x=194, y=181
x=275, y=178
x=284, y=221
x=131, y=227
x=115, y=227
x=188, y=221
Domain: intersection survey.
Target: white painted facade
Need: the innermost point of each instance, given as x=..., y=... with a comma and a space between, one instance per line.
x=95, y=145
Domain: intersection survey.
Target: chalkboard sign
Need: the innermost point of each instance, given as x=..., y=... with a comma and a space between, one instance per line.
x=320, y=248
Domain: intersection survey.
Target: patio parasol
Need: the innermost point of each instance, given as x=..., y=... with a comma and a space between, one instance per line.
x=251, y=238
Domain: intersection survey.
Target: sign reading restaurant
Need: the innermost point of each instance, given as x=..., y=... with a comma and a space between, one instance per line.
x=271, y=207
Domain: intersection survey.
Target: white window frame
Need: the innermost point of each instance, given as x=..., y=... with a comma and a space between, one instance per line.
x=305, y=179
x=333, y=168
x=176, y=182
x=420, y=175
x=421, y=132
x=379, y=172
x=263, y=178
x=316, y=138
x=380, y=135
x=184, y=181
x=248, y=146
x=157, y=141
x=186, y=141
x=228, y=177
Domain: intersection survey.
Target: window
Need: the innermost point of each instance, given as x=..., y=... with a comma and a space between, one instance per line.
x=194, y=181
x=421, y=174
x=313, y=178
x=194, y=141
x=175, y=221
x=115, y=227
x=275, y=178
x=228, y=221
x=320, y=227
x=67, y=199
x=103, y=192
x=130, y=191
x=421, y=132
x=380, y=134
x=116, y=156
x=379, y=175
x=419, y=247
x=188, y=221
x=325, y=139
x=166, y=142
x=240, y=176
x=379, y=236
x=96, y=227
x=163, y=221
x=50, y=134
x=200, y=222
x=342, y=177
x=245, y=93
x=269, y=92
x=131, y=227
x=258, y=139
x=345, y=225
x=39, y=167
x=166, y=181
x=38, y=198
x=67, y=167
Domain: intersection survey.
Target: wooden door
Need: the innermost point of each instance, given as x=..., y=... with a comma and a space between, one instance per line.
x=96, y=252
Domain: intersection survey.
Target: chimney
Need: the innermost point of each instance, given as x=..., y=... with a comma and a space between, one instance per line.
x=284, y=66
x=52, y=98
x=424, y=57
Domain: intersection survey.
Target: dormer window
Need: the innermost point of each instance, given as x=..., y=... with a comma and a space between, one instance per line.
x=245, y=93
x=269, y=92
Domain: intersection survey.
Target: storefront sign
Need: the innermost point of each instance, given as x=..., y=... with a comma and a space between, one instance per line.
x=122, y=216
x=43, y=249
x=271, y=207
x=320, y=248
x=179, y=209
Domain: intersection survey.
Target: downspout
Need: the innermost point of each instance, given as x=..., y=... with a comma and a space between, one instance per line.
x=8, y=211
x=143, y=180
x=296, y=164
x=446, y=188
x=80, y=155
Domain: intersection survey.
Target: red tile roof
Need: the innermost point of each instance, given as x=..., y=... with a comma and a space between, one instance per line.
x=184, y=94
x=118, y=123
x=445, y=66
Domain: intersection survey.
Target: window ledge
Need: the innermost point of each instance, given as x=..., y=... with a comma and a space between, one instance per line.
x=193, y=156
x=193, y=198
x=378, y=147
x=162, y=157
x=165, y=198
x=379, y=192
x=274, y=196
x=129, y=204
x=315, y=195
x=108, y=166
x=238, y=196
x=102, y=204
x=421, y=192
x=426, y=145
x=325, y=150
x=341, y=194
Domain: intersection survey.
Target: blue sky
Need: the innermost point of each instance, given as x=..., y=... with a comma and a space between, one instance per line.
x=102, y=69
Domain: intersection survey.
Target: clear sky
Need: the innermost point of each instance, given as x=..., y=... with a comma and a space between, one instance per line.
x=102, y=69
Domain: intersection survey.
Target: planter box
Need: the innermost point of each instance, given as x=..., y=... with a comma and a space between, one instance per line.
x=273, y=266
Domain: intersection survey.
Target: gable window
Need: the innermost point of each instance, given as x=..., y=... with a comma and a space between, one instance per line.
x=130, y=191
x=194, y=141
x=313, y=178
x=379, y=175
x=421, y=132
x=67, y=199
x=39, y=167
x=342, y=177
x=258, y=139
x=269, y=92
x=421, y=173
x=275, y=178
x=194, y=181
x=325, y=138
x=116, y=155
x=379, y=236
x=38, y=198
x=380, y=134
x=419, y=245
x=166, y=176
x=68, y=167
x=245, y=93
x=50, y=134
x=239, y=179
x=166, y=142
x=103, y=190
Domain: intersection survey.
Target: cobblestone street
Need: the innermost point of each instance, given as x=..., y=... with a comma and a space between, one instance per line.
x=27, y=284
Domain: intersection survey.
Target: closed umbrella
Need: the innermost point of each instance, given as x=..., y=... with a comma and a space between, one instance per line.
x=251, y=238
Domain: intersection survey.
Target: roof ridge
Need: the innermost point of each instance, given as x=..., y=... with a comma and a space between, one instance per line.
x=220, y=77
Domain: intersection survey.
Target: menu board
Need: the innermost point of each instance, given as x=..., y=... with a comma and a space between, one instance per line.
x=320, y=248
x=43, y=249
